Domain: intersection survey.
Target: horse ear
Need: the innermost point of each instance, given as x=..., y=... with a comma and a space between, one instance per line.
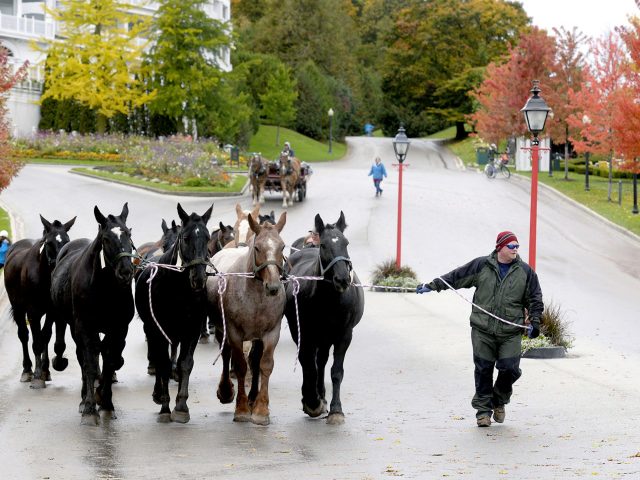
x=238, y=210
x=46, y=223
x=99, y=216
x=67, y=226
x=222, y=227
x=125, y=212
x=319, y=224
x=182, y=214
x=207, y=214
x=173, y=225
x=341, y=223
x=253, y=225
x=256, y=211
x=281, y=221
x=164, y=226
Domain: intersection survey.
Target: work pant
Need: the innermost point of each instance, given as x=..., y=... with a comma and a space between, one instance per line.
x=376, y=183
x=491, y=351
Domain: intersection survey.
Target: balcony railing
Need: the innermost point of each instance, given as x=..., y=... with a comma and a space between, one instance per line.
x=26, y=27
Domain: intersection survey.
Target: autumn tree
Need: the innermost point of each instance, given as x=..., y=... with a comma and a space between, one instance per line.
x=95, y=58
x=506, y=87
x=8, y=78
x=436, y=56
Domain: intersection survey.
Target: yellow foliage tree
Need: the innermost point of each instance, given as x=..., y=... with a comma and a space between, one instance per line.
x=96, y=57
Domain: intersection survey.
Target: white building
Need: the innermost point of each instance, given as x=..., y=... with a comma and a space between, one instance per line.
x=25, y=21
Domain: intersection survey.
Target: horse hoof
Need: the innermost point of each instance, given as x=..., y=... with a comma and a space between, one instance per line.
x=114, y=378
x=315, y=412
x=108, y=414
x=60, y=363
x=180, y=417
x=46, y=376
x=228, y=398
x=335, y=418
x=242, y=417
x=151, y=371
x=26, y=377
x=260, y=419
x=37, y=383
x=164, y=418
x=90, y=419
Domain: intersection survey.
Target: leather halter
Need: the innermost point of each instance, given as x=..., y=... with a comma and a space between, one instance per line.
x=192, y=263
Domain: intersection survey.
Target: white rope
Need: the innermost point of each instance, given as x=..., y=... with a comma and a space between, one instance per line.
x=222, y=287
x=154, y=272
x=296, y=290
x=526, y=327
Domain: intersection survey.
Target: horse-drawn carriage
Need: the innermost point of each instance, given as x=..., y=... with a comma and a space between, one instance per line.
x=287, y=175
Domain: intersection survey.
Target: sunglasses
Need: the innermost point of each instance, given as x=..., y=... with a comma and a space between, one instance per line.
x=512, y=247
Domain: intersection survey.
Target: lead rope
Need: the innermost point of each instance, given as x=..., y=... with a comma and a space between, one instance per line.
x=528, y=328
x=154, y=271
x=296, y=290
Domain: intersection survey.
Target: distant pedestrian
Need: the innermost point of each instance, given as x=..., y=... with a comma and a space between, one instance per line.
x=5, y=243
x=508, y=288
x=378, y=172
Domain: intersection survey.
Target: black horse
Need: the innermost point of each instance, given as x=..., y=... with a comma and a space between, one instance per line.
x=219, y=238
x=27, y=279
x=329, y=309
x=271, y=218
x=178, y=310
x=91, y=291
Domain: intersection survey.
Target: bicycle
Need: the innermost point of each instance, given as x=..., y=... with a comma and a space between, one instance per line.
x=498, y=166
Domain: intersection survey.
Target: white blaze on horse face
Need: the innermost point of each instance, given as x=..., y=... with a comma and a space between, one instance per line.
x=58, y=238
x=197, y=231
x=335, y=239
x=243, y=229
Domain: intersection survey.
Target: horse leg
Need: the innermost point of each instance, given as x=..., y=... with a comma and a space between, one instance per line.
x=336, y=417
x=311, y=402
x=226, y=390
x=20, y=317
x=112, y=348
x=290, y=195
x=88, y=344
x=242, y=412
x=159, y=353
x=204, y=333
x=175, y=372
x=255, y=354
x=260, y=413
x=321, y=362
x=59, y=362
x=180, y=413
x=34, y=322
x=46, y=338
x=285, y=192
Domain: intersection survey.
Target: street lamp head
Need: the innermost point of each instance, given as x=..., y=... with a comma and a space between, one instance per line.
x=585, y=119
x=535, y=111
x=330, y=112
x=401, y=144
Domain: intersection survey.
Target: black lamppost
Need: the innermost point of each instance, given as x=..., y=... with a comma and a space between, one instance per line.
x=535, y=114
x=400, y=147
x=330, y=112
x=586, y=121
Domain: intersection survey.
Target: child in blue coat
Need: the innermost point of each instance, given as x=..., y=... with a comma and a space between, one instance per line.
x=379, y=172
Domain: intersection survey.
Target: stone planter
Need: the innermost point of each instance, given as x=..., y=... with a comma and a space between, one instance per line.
x=545, y=352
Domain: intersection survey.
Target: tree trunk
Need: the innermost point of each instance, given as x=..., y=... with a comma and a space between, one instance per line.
x=101, y=123
x=461, y=133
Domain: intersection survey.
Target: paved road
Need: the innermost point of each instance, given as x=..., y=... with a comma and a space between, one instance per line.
x=409, y=375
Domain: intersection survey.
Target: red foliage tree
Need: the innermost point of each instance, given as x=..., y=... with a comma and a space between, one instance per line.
x=8, y=78
x=594, y=104
x=506, y=86
x=626, y=112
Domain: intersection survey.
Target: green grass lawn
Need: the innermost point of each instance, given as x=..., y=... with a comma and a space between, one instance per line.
x=236, y=186
x=4, y=222
x=305, y=148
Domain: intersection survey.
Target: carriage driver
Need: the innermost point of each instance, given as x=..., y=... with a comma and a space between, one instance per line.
x=508, y=288
x=288, y=150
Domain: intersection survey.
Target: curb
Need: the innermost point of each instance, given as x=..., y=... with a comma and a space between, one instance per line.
x=164, y=192
x=545, y=352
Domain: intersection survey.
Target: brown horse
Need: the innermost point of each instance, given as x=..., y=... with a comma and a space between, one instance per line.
x=257, y=177
x=289, y=176
x=242, y=232
x=250, y=309
x=219, y=238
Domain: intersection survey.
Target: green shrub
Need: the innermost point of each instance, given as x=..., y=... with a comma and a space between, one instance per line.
x=554, y=330
x=387, y=274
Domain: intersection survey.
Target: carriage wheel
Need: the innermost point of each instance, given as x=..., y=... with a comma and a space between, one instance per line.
x=302, y=193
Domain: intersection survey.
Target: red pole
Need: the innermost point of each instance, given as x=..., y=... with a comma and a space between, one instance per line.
x=534, y=203
x=399, y=239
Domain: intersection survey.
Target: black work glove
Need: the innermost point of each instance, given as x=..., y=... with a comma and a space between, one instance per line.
x=423, y=288
x=533, y=330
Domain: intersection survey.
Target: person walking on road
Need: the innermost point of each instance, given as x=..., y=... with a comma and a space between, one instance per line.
x=508, y=288
x=5, y=243
x=379, y=172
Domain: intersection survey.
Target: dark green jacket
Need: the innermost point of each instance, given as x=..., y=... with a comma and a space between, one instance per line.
x=506, y=299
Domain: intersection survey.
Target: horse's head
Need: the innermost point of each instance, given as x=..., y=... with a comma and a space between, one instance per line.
x=169, y=235
x=271, y=218
x=267, y=253
x=285, y=164
x=191, y=250
x=241, y=229
x=54, y=237
x=335, y=264
x=256, y=165
x=116, y=246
